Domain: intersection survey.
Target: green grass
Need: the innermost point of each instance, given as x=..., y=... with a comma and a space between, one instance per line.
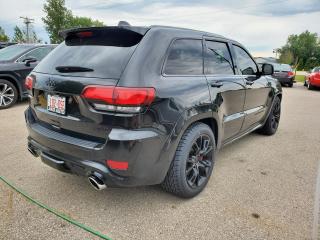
x=299, y=78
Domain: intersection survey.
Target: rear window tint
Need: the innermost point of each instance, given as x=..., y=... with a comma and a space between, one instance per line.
x=106, y=52
x=185, y=58
x=286, y=68
x=278, y=67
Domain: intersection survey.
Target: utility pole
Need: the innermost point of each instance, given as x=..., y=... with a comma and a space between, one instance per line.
x=27, y=21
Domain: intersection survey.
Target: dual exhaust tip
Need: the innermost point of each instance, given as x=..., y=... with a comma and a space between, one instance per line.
x=95, y=179
x=96, y=182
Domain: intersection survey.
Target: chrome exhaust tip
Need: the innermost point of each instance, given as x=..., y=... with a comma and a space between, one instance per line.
x=96, y=182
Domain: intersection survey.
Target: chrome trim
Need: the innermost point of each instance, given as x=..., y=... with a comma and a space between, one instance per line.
x=233, y=117
x=238, y=115
x=253, y=110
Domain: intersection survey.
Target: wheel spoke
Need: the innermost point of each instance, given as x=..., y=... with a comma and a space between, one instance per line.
x=201, y=180
x=198, y=145
x=7, y=90
x=193, y=177
x=8, y=97
x=204, y=168
x=4, y=88
x=189, y=170
x=2, y=102
x=209, y=149
x=191, y=159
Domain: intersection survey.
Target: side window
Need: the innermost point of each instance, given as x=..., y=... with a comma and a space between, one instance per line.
x=217, y=58
x=38, y=53
x=185, y=58
x=245, y=63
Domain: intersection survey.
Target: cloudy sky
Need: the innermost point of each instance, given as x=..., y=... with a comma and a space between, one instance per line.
x=261, y=25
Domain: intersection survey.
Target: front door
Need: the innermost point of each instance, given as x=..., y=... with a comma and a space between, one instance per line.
x=226, y=88
x=257, y=89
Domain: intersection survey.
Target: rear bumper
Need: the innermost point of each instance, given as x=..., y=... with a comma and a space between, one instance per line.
x=286, y=80
x=140, y=148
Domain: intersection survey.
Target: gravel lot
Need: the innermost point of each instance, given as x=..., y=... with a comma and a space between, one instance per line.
x=261, y=188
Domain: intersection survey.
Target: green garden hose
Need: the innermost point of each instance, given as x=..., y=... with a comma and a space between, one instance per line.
x=55, y=212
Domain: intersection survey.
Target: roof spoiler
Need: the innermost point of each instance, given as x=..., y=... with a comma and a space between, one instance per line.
x=122, y=25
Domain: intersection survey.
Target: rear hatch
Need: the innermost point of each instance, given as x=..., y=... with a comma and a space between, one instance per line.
x=90, y=56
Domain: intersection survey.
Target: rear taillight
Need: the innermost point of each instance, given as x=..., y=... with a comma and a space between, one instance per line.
x=29, y=82
x=119, y=99
x=290, y=74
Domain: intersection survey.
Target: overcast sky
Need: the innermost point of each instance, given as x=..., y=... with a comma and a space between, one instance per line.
x=261, y=25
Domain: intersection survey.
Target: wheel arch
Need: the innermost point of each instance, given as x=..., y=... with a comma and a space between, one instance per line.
x=169, y=148
x=212, y=123
x=14, y=81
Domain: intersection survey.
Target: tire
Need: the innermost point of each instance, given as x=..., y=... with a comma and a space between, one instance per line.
x=190, y=170
x=8, y=94
x=305, y=83
x=271, y=125
x=290, y=85
x=309, y=86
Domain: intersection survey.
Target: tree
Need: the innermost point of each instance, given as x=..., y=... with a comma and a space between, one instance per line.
x=58, y=17
x=18, y=36
x=302, y=51
x=34, y=38
x=76, y=21
x=3, y=36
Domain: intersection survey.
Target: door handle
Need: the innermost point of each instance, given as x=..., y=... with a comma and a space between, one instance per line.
x=249, y=82
x=216, y=84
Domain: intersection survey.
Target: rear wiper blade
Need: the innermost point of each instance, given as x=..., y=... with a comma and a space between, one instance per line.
x=66, y=69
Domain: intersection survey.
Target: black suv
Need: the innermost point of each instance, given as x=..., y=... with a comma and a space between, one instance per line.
x=130, y=106
x=16, y=62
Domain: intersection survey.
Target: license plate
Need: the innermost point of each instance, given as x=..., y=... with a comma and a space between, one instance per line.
x=56, y=103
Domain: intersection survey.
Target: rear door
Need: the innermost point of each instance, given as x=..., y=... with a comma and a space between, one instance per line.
x=257, y=88
x=227, y=89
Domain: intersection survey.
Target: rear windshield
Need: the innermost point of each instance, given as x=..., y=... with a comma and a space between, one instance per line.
x=282, y=67
x=103, y=54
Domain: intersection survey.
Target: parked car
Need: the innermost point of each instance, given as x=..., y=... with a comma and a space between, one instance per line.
x=130, y=106
x=284, y=73
x=16, y=62
x=313, y=79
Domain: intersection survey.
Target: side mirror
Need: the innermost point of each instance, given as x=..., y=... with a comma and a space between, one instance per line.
x=267, y=69
x=27, y=61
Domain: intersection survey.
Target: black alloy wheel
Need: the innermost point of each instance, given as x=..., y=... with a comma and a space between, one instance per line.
x=272, y=123
x=191, y=168
x=275, y=119
x=8, y=94
x=199, y=163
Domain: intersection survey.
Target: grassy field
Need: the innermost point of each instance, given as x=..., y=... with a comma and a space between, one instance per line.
x=299, y=78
